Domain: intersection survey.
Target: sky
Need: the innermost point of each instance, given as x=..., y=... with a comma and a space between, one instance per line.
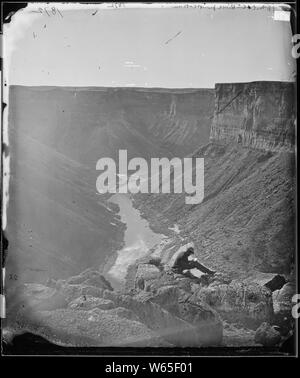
x=145, y=47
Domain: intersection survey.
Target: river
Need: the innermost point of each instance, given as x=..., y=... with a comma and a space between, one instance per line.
x=138, y=238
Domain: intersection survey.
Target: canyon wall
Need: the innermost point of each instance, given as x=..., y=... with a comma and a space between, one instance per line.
x=86, y=124
x=246, y=222
x=257, y=114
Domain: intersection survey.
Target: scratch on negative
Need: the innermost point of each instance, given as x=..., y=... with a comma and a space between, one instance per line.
x=171, y=39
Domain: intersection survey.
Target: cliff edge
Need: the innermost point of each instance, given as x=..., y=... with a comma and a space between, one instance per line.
x=258, y=114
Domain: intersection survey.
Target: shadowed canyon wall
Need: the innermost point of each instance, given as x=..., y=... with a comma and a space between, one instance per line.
x=88, y=123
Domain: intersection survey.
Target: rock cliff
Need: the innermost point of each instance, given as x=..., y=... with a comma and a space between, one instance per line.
x=257, y=114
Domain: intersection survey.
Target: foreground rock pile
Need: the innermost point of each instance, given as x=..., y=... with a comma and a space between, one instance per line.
x=157, y=308
x=255, y=310
x=85, y=311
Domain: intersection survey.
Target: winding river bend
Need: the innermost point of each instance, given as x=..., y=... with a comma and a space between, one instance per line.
x=139, y=238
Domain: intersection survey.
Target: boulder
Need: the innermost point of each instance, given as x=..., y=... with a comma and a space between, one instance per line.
x=282, y=304
x=272, y=281
x=166, y=278
x=276, y=282
x=205, y=321
x=247, y=303
x=155, y=260
x=237, y=336
x=147, y=272
x=266, y=335
x=282, y=299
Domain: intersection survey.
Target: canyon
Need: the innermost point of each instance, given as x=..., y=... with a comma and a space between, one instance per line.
x=64, y=238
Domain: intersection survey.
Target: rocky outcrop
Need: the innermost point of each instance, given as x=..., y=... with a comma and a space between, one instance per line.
x=249, y=311
x=146, y=272
x=266, y=335
x=282, y=304
x=68, y=315
x=246, y=303
x=75, y=312
x=257, y=114
x=37, y=297
x=282, y=298
x=173, y=318
x=271, y=281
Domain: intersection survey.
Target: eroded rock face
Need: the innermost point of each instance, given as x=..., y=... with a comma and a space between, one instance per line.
x=257, y=114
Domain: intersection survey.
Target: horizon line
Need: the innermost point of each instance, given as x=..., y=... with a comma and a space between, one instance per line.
x=143, y=87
